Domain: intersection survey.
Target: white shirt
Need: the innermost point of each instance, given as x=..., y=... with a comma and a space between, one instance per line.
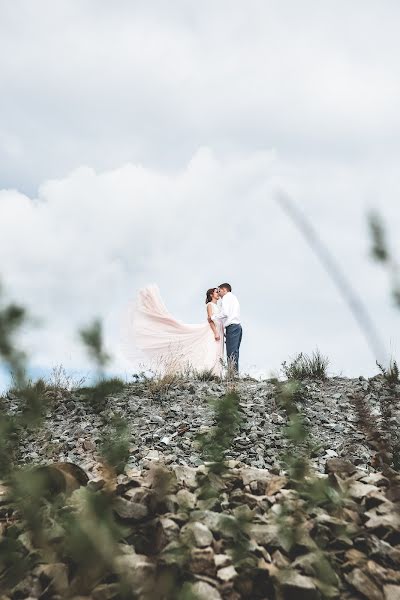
x=230, y=310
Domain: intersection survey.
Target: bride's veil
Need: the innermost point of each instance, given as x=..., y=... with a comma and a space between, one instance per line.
x=153, y=338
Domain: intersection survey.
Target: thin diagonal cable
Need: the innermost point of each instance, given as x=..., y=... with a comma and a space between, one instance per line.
x=351, y=297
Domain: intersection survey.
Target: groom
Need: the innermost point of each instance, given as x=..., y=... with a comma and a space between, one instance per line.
x=230, y=315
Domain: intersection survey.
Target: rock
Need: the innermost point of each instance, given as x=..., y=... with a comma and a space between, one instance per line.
x=106, y=591
x=96, y=484
x=202, y=561
x=375, y=479
x=186, y=499
x=195, y=533
x=389, y=521
x=252, y=474
x=221, y=560
x=316, y=565
x=227, y=573
x=186, y=476
x=364, y=584
x=391, y=592
x=275, y=484
x=266, y=534
x=339, y=465
x=138, y=571
x=89, y=445
x=297, y=587
x=331, y=453
x=381, y=549
x=56, y=574
x=126, y=509
x=152, y=455
x=359, y=490
x=170, y=528
x=158, y=419
x=62, y=477
x=201, y=590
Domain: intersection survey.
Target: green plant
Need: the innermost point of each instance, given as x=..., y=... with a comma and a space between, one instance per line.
x=92, y=337
x=114, y=446
x=96, y=395
x=205, y=375
x=392, y=373
x=214, y=443
x=60, y=380
x=304, y=366
x=381, y=252
x=30, y=396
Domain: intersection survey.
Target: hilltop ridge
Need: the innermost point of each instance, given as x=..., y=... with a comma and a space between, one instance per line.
x=164, y=418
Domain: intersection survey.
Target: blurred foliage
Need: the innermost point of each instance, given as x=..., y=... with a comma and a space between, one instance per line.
x=114, y=446
x=92, y=338
x=29, y=397
x=12, y=318
x=214, y=443
x=213, y=446
x=82, y=529
x=96, y=395
x=381, y=252
x=312, y=491
x=387, y=441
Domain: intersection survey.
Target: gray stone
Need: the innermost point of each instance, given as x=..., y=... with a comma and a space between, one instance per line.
x=137, y=570
x=227, y=573
x=106, y=591
x=391, y=592
x=294, y=585
x=364, y=584
x=201, y=590
x=128, y=510
x=57, y=574
x=196, y=533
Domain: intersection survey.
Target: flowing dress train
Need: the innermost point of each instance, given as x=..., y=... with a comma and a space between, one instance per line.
x=166, y=343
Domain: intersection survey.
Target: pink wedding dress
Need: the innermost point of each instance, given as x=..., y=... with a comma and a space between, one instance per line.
x=167, y=344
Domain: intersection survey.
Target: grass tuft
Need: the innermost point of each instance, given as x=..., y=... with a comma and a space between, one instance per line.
x=392, y=373
x=306, y=367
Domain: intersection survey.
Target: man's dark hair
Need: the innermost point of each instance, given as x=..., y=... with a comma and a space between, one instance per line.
x=226, y=286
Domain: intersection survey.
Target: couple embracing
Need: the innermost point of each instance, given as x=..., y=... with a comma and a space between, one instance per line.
x=168, y=344
x=223, y=311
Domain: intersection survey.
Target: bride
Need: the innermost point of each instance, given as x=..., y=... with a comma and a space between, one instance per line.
x=167, y=343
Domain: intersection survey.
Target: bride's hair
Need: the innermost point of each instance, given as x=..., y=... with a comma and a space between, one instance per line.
x=209, y=294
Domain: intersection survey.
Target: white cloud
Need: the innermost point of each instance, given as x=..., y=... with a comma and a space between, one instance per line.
x=103, y=111
x=90, y=83
x=86, y=244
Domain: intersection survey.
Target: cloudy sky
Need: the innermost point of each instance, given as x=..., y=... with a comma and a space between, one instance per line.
x=147, y=142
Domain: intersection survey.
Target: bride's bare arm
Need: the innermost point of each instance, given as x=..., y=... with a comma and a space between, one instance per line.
x=211, y=322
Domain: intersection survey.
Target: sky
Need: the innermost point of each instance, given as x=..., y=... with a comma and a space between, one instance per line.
x=148, y=142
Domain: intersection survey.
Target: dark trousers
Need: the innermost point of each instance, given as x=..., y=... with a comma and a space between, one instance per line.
x=233, y=335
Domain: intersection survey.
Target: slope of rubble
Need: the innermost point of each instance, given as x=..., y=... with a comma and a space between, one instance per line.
x=168, y=422
x=155, y=532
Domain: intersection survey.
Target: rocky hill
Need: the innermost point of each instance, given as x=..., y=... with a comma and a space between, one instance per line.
x=166, y=420
x=172, y=525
